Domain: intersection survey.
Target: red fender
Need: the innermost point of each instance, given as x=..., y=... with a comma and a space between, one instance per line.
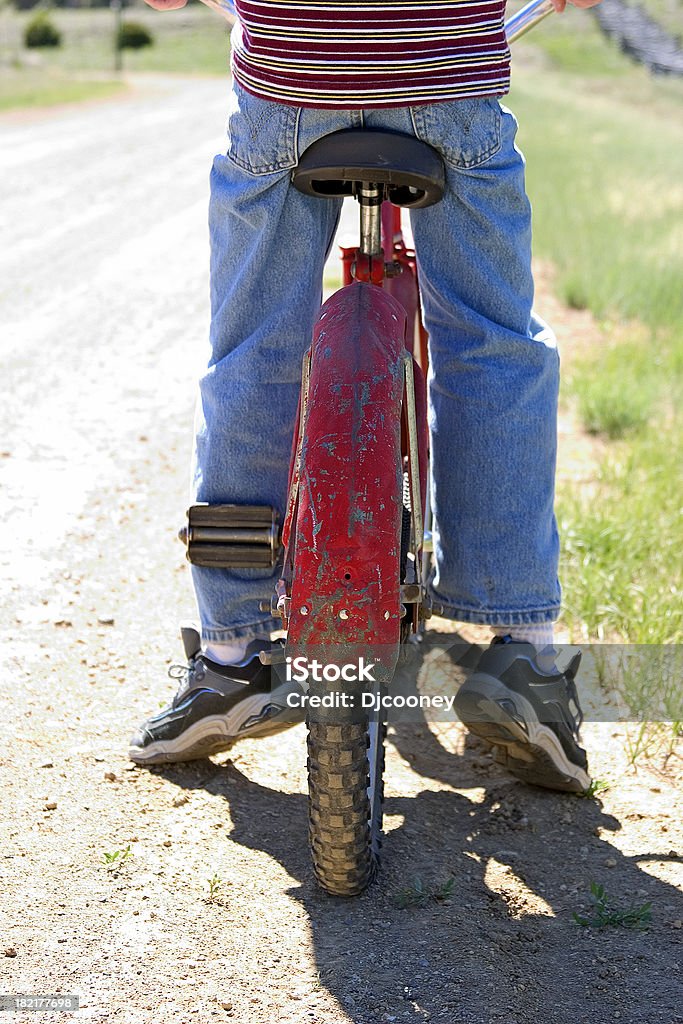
x=345, y=588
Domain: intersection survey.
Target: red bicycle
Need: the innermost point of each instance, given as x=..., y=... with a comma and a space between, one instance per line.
x=356, y=534
x=352, y=585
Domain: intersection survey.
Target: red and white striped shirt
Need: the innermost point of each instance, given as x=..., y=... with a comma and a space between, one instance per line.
x=370, y=53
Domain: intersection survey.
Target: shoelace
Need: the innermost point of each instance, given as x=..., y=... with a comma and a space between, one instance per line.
x=183, y=673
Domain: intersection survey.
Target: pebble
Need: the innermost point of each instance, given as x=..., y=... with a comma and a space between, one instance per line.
x=610, y=862
x=167, y=842
x=105, y=620
x=110, y=777
x=225, y=1004
x=677, y=923
x=51, y=805
x=10, y=951
x=180, y=800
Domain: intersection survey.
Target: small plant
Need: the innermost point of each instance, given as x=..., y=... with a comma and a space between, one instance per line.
x=133, y=36
x=215, y=883
x=117, y=857
x=444, y=891
x=40, y=31
x=605, y=915
x=596, y=787
x=418, y=893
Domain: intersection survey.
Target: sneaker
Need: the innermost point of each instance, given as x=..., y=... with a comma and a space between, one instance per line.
x=527, y=707
x=215, y=706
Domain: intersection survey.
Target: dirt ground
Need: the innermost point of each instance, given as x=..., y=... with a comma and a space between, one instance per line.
x=103, y=302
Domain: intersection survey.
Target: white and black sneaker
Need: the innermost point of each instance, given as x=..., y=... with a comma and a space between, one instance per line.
x=215, y=706
x=523, y=703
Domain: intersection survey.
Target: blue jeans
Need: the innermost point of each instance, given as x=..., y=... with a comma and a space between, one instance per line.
x=494, y=365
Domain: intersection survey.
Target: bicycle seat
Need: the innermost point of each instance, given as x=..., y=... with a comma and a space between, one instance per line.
x=412, y=172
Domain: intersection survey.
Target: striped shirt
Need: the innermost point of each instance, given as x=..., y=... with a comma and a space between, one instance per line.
x=370, y=53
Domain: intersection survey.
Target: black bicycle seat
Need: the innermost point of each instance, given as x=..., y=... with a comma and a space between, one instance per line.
x=412, y=171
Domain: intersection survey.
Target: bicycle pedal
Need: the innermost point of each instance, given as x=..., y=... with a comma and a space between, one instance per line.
x=232, y=536
x=276, y=657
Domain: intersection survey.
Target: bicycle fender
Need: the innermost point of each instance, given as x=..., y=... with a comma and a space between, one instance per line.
x=345, y=584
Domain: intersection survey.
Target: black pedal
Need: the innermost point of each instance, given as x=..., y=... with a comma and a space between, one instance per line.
x=232, y=536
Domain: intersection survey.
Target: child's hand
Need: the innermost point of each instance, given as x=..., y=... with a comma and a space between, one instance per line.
x=166, y=5
x=560, y=5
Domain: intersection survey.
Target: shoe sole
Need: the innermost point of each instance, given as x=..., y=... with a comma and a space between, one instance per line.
x=537, y=756
x=217, y=733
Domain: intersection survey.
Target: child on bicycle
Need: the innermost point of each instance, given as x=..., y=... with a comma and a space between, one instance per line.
x=435, y=71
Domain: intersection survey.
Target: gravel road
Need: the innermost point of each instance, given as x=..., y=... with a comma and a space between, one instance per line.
x=103, y=307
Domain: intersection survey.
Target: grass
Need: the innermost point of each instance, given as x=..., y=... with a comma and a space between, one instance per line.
x=605, y=179
x=193, y=40
x=418, y=893
x=604, y=145
x=32, y=88
x=622, y=568
x=645, y=687
x=190, y=41
x=605, y=915
x=596, y=788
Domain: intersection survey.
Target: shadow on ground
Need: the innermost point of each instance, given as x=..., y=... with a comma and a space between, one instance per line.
x=493, y=873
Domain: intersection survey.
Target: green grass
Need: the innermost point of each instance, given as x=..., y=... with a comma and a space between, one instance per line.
x=604, y=144
x=189, y=41
x=622, y=569
x=605, y=174
x=595, y=789
x=604, y=914
x=31, y=88
x=644, y=683
x=419, y=893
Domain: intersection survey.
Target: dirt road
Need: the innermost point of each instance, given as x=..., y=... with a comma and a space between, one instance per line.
x=103, y=304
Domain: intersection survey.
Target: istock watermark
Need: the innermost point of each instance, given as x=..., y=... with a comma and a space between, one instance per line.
x=301, y=670
x=629, y=683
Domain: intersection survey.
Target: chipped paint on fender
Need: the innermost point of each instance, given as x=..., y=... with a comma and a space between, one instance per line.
x=350, y=472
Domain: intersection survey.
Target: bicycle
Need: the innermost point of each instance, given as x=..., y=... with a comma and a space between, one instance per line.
x=356, y=533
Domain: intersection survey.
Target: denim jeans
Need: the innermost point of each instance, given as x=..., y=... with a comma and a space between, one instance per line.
x=494, y=365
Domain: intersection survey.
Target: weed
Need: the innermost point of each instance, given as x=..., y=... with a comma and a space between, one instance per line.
x=214, y=883
x=418, y=893
x=117, y=857
x=444, y=891
x=649, y=739
x=605, y=915
x=596, y=787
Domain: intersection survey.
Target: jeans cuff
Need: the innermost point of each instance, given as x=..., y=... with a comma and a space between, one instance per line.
x=479, y=617
x=256, y=630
